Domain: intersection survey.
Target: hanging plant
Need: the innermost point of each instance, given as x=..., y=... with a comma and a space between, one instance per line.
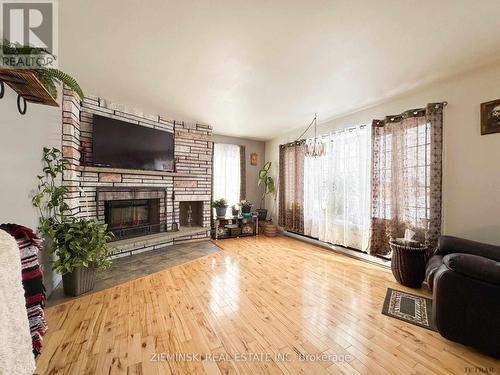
x=47, y=76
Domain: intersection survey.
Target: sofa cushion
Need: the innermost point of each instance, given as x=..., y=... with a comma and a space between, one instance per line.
x=432, y=266
x=474, y=266
x=450, y=245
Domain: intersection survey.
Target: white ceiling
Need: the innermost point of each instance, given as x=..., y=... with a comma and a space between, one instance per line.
x=255, y=68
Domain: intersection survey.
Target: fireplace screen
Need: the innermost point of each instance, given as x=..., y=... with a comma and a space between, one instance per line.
x=131, y=218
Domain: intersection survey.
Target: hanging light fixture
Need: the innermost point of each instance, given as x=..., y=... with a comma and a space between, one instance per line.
x=314, y=147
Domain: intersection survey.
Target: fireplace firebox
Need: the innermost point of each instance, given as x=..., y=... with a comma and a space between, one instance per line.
x=132, y=218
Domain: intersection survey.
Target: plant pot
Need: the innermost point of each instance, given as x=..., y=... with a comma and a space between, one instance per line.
x=262, y=213
x=221, y=211
x=80, y=281
x=246, y=214
x=271, y=230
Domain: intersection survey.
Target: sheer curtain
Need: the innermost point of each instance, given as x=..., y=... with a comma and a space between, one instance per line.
x=226, y=181
x=406, y=177
x=337, y=190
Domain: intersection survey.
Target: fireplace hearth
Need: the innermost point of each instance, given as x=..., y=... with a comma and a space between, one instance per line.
x=133, y=217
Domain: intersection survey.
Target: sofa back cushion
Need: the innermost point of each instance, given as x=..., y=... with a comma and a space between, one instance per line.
x=474, y=266
x=450, y=245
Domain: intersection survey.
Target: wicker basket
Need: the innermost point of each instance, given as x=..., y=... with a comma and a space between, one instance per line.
x=271, y=230
x=408, y=264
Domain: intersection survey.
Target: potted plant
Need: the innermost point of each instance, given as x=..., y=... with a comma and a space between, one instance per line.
x=235, y=209
x=79, y=244
x=246, y=208
x=220, y=206
x=269, y=188
x=47, y=76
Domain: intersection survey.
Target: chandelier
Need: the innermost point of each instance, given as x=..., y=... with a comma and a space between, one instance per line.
x=314, y=147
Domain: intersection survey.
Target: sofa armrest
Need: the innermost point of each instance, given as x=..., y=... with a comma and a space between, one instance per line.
x=474, y=266
x=449, y=245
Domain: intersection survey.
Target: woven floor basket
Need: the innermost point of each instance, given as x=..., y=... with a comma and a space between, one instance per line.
x=271, y=230
x=408, y=264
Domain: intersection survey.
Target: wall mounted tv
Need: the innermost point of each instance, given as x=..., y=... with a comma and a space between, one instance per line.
x=120, y=144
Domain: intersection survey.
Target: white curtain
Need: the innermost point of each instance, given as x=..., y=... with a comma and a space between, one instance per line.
x=227, y=177
x=337, y=190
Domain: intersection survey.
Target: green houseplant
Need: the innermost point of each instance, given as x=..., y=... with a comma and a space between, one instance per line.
x=246, y=208
x=220, y=206
x=269, y=187
x=79, y=244
x=47, y=76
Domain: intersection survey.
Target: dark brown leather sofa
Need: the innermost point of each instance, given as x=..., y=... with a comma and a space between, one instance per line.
x=465, y=278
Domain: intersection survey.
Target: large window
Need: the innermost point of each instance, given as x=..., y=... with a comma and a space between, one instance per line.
x=406, y=177
x=336, y=190
x=372, y=184
x=227, y=172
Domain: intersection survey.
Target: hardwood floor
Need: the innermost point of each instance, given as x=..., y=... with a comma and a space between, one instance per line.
x=143, y=264
x=274, y=299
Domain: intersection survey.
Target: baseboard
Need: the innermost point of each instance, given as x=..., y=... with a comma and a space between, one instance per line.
x=341, y=250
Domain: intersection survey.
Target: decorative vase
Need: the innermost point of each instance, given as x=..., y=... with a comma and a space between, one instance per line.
x=262, y=212
x=80, y=281
x=221, y=211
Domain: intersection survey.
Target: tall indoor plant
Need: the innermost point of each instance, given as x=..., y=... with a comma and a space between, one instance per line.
x=79, y=244
x=269, y=187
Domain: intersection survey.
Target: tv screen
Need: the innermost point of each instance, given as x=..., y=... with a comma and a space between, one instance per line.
x=120, y=144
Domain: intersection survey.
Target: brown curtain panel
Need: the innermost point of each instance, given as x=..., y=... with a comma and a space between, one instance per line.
x=243, y=174
x=406, y=177
x=291, y=185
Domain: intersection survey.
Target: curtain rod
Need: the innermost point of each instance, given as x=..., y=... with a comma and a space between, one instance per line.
x=410, y=113
x=348, y=129
x=392, y=118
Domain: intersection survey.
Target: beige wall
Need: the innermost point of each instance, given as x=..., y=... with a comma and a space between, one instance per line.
x=253, y=191
x=22, y=139
x=471, y=171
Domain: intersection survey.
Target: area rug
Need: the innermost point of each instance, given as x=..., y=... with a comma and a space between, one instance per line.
x=409, y=308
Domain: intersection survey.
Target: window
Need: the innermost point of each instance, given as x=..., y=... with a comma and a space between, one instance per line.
x=406, y=177
x=416, y=170
x=415, y=165
x=336, y=190
x=227, y=173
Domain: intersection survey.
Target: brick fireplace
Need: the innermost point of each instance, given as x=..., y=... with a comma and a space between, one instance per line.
x=139, y=206
x=132, y=211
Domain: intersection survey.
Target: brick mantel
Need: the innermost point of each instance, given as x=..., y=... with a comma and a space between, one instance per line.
x=192, y=182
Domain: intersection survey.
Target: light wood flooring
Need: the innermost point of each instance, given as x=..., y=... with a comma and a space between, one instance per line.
x=260, y=305
x=139, y=265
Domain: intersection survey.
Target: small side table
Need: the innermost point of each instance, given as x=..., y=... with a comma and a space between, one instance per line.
x=408, y=264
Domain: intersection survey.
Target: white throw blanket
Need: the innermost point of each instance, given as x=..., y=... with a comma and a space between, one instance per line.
x=16, y=351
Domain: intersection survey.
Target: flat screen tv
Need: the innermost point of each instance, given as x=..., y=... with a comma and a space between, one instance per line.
x=120, y=144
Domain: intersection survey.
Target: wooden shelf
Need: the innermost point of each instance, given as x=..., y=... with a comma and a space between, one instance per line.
x=26, y=84
x=89, y=168
x=224, y=222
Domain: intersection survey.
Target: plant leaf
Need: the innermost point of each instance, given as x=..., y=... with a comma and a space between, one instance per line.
x=67, y=80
